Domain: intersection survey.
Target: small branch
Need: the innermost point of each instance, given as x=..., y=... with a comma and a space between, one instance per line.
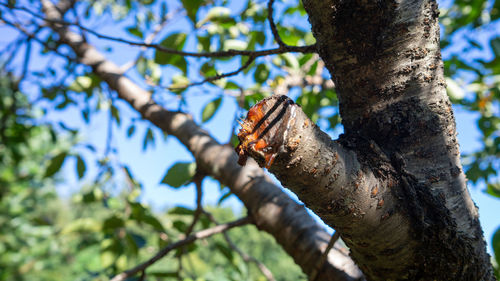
x=216, y=77
x=324, y=256
x=77, y=19
x=143, y=276
x=191, y=238
x=218, y=54
x=274, y=29
x=149, y=39
x=26, y=60
x=247, y=258
x=109, y=137
x=11, y=50
x=197, y=179
x=33, y=37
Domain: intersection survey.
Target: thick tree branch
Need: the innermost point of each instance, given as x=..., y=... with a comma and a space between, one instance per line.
x=188, y=240
x=325, y=174
x=273, y=211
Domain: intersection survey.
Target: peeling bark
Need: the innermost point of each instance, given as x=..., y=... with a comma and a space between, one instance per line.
x=392, y=184
x=271, y=209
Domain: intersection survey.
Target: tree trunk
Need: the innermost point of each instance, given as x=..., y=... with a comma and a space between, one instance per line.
x=392, y=185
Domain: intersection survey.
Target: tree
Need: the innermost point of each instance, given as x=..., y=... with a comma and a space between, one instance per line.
x=400, y=218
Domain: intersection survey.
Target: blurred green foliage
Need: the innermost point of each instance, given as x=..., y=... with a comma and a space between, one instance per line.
x=95, y=235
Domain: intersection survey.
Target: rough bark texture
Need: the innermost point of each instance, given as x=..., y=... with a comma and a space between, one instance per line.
x=392, y=184
x=272, y=210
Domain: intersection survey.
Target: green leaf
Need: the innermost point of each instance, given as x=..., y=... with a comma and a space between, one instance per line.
x=55, y=164
x=112, y=223
x=261, y=73
x=192, y=7
x=234, y=44
x=257, y=37
x=134, y=242
x=81, y=84
x=86, y=115
x=208, y=69
x=291, y=60
x=189, y=248
x=135, y=31
x=179, y=174
x=153, y=221
x=81, y=225
x=224, y=197
x=179, y=210
x=149, y=139
x=495, y=244
x=495, y=46
x=115, y=114
x=130, y=131
x=225, y=251
x=107, y=258
x=493, y=189
x=210, y=109
x=495, y=14
x=219, y=14
x=204, y=43
x=174, y=41
x=180, y=225
x=80, y=167
x=180, y=82
x=228, y=254
x=172, y=274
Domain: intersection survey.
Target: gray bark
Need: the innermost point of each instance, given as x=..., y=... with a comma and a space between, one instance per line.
x=392, y=185
x=271, y=209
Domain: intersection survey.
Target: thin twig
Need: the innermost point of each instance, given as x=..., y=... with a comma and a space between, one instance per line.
x=191, y=238
x=143, y=275
x=218, y=54
x=198, y=180
x=109, y=137
x=33, y=37
x=149, y=39
x=274, y=29
x=247, y=258
x=77, y=19
x=11, y=49
x=216, y=77
x=26, y=60
x=314, y=275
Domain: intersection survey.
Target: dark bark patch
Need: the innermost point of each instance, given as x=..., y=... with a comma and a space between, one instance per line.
x=361, y=26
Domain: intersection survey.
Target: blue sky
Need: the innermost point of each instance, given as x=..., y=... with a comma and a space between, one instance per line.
x=149, y=166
